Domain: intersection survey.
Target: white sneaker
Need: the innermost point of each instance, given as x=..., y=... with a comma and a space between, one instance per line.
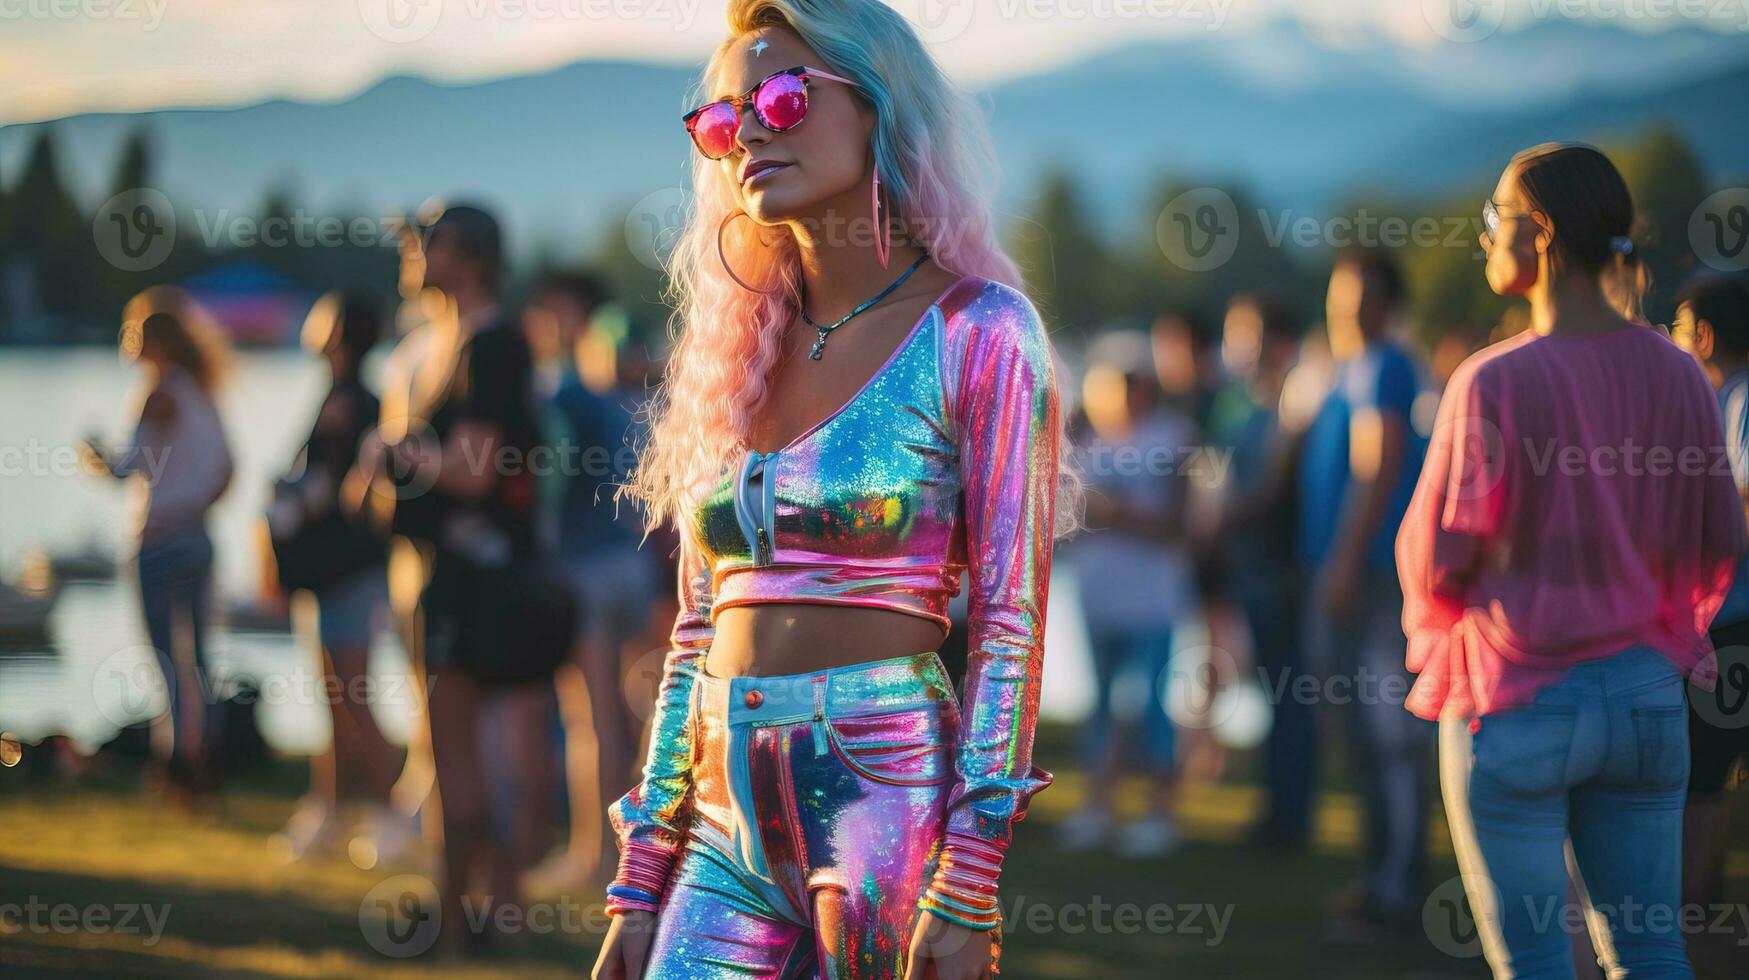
x=1148, y=837
x=389, y=838
x=314, y=828
x=1085, y=831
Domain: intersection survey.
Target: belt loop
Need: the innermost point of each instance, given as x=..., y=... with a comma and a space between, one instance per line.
x=820, y=714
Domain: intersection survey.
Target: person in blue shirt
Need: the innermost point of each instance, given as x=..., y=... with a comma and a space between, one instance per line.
x=1712, y=323
x=1359, y=462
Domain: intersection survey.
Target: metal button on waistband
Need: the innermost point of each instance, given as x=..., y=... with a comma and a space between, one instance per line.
x=754, y=698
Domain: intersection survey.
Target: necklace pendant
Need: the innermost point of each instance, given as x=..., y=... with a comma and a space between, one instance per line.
x=814, y=351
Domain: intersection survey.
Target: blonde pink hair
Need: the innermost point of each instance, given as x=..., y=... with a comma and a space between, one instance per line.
x=936, y=167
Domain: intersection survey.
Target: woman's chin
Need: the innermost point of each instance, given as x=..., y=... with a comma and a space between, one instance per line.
x=770, y=209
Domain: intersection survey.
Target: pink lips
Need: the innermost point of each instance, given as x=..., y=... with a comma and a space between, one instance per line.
x=759, y=168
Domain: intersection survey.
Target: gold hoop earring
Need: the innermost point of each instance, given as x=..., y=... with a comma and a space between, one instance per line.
x=725, y=259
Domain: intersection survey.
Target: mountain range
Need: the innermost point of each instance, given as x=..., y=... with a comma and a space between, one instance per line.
x=1301, y=119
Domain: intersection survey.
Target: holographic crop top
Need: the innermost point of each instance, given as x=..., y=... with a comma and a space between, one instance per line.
x=945, y=460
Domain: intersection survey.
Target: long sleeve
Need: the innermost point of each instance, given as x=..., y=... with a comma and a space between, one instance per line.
x=1459, y=505
x=1005, y=407
x=650, y=821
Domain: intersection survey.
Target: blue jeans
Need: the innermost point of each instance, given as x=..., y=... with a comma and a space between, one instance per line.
x=176, y=598
x=1112, y=653
x=818, y=806
x=1599, y=759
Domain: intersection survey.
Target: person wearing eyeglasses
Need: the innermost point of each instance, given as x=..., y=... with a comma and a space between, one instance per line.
x=861, y=406
x=1572, y=536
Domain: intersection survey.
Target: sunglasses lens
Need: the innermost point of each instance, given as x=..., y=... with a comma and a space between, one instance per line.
x=714, y=130
x=1490, y=218
x=782, y=102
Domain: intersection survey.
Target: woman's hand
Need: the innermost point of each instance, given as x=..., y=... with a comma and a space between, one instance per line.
x=627, y=946
x=945, y=950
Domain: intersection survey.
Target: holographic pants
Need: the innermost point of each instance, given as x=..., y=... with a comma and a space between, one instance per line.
x=818, y=812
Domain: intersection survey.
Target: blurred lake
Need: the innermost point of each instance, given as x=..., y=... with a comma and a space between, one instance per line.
x=50, y=399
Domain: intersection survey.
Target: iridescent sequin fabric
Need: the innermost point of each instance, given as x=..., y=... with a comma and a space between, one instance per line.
x=946, y=460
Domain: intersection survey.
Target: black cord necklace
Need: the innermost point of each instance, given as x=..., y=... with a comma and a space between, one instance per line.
x=820, y=342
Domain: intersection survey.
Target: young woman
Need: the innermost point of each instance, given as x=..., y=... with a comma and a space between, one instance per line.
x=1571, y=537
x=179, y=463
x=861, y=405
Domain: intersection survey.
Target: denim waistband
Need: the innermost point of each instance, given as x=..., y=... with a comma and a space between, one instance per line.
x=865, y=688
x=730, y=710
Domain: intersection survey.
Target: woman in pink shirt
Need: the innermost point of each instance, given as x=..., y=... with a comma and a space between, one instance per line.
x=1571, y=537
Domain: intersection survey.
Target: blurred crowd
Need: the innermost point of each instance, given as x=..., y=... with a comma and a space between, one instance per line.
x=1248, y=476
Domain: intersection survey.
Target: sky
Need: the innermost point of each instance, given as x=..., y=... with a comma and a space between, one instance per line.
x=61, y=57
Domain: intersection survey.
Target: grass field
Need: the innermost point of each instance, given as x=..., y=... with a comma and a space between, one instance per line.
x=227, y=908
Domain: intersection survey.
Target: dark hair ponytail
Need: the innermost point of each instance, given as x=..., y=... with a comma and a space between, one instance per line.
x=1589, y=211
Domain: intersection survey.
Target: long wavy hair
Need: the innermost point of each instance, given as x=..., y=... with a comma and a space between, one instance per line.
x=170, y=320
x=936, y=166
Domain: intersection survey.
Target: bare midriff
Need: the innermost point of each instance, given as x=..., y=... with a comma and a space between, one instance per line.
x=771, y=638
